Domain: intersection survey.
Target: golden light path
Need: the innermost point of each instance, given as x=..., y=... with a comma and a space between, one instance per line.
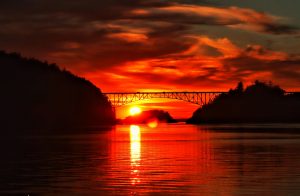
x=135, y=153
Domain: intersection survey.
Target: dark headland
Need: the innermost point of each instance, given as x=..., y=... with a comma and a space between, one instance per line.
x=258, y=103
x=39, y=96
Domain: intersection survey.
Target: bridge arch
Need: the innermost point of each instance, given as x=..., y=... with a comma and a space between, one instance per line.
x=124, y=98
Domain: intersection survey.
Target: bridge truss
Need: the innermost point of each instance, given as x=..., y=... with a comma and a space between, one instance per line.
x=199, y=98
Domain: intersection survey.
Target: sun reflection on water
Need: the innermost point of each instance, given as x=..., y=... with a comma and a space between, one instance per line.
x=135, y=153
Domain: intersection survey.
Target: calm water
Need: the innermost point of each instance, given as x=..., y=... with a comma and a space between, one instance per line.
x=167, y=160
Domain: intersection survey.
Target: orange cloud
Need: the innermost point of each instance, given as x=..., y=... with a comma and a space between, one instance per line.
x=129, y=37
x=136, y=45
x=194, y=69
x=232, y=17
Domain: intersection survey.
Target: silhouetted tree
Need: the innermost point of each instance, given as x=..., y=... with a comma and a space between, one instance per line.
x=39, y=96
x=263, y=89
x=240, y=88
x=258, y=103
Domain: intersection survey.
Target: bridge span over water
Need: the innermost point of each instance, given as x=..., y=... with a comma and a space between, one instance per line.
x=124, y=98
x=199, y=98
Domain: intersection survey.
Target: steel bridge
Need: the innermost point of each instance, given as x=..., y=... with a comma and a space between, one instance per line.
x=124, y=98
x=199, y=98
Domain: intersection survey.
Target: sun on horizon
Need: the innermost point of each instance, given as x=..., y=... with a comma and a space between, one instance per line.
x=135, y=110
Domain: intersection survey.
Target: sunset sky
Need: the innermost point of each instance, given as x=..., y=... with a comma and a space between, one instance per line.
x=131, y=45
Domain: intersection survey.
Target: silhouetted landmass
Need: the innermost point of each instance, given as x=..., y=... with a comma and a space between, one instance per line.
x=149, y=116
x=36, y=95
x=258, y=103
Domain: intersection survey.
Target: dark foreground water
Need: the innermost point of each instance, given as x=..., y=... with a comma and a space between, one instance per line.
x=167, y=160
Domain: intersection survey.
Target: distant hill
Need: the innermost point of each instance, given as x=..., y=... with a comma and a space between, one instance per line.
x=258, y=103
x=36, y=95
x=149, y=116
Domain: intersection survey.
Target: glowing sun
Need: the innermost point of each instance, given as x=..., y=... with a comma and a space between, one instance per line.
x=135, y=110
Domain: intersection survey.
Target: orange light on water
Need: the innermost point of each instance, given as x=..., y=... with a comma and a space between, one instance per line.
x=135, y=133
x=135, y=153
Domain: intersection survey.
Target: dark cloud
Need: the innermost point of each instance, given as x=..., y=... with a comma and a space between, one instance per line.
x=185, y=18
x=88, y=36
x=278, y=29
x=286, y=70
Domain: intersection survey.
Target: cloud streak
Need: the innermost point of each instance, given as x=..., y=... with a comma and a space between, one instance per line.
x=134, y=44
